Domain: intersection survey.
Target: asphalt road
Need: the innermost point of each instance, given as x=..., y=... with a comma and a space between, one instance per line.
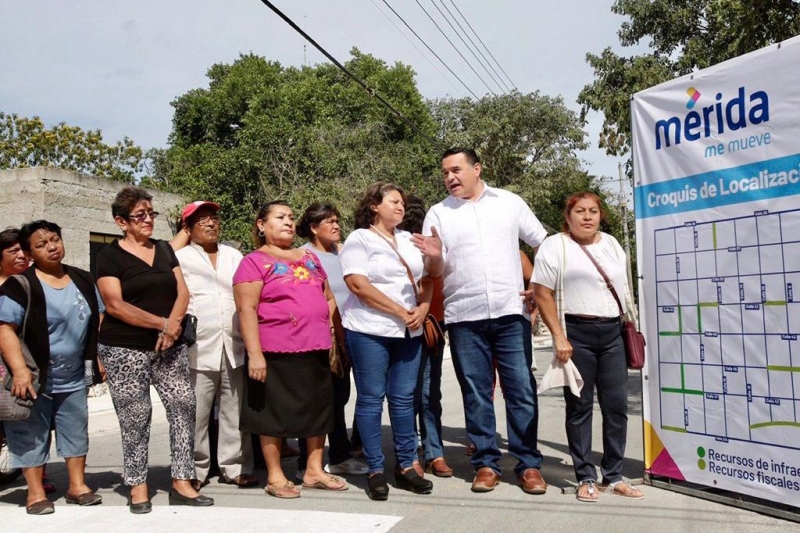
x=451, y=506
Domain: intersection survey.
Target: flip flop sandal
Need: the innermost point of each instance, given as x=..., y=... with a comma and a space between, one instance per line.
x=591, y=492
x=330, y=483
x=622, y=489
x=287, y=491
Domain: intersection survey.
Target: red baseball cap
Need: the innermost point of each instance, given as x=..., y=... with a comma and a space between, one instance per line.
x=194, y=206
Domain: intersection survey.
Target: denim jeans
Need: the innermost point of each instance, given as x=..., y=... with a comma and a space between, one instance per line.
x=599, y=355
x=428, y=402
x=476, y=347
x=385, y=367
x=67, y=413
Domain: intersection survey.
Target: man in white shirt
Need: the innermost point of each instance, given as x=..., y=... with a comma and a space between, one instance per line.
x=216, y=361
x=473, y=242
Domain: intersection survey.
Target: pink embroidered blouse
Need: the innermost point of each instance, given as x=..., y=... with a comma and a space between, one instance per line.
x=293, y=310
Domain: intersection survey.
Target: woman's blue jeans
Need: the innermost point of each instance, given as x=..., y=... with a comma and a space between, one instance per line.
x=385, y=367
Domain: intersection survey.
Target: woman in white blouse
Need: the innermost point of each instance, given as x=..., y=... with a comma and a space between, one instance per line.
x=584, y=318
x=383, y=329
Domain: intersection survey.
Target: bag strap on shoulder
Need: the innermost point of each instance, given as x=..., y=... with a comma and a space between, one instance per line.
x=400, y=257
x=609, y=285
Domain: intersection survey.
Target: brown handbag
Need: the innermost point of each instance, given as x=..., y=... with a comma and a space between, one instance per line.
x=337, y=356
x=434, y=336
x=631, y=336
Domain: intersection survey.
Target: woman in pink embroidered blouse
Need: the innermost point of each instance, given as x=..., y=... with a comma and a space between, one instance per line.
x=284, y=306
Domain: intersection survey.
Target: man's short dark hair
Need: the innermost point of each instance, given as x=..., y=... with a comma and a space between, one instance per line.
x=469, y=153
x=27, y=231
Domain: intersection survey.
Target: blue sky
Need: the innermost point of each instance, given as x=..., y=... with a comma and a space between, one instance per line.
x=117, y=65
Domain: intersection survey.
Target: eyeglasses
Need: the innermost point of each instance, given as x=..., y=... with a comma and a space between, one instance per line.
x=206, y=219
x=141, y=217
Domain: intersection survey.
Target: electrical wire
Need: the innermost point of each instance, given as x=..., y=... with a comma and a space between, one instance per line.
x=412, y=43
x=486, y=61
x=431, y=50
x=458, y=33
x=455, y=48
x=484, y=45
x=344, y=69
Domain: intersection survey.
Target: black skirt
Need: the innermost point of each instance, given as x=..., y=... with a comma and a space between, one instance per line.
x=295, y=401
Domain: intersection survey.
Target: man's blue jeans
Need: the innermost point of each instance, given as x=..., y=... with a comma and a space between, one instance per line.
x=385, y=367
x=476, y=347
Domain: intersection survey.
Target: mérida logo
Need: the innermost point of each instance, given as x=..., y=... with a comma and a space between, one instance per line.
x=716, y=118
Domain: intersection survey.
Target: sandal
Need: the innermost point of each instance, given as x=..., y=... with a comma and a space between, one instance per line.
x=587, y=491
x=620, y=488
x=328, y=483
x=285, y=491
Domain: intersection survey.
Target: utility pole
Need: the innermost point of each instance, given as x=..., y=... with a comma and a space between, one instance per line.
x=305, y=64
x=623, y=204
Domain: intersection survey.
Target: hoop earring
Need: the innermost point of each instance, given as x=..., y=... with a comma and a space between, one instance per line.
x=260, y=233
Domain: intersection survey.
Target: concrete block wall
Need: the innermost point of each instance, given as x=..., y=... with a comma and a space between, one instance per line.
x=78, y=203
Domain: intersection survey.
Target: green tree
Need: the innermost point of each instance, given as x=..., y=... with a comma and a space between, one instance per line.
x=261, y=131
x=527, y=144
x=682, y=36
x=26, y=142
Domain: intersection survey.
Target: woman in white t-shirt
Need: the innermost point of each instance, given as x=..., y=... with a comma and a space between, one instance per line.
x=383, y=320
x=584, y=318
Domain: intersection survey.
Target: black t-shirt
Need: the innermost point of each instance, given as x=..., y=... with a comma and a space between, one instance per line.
x=151, y=288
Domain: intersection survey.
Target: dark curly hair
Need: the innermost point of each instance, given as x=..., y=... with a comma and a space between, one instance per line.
x=126, y=200
x=314, y=214
x=415, y=214
x=27, y=231
x=262, y=214
x=8, y=237
x=364, y=215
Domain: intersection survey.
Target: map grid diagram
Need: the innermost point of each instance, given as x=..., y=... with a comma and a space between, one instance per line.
x=727, y=328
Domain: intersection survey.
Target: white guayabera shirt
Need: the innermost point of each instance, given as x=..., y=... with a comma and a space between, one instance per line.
x=211, y=301
x=480, y=246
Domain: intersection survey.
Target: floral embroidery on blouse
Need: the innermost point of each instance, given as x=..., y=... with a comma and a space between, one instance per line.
x=301, y=272
x=304, y=270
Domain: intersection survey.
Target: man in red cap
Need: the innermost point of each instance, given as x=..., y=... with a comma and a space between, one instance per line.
x=216, y=361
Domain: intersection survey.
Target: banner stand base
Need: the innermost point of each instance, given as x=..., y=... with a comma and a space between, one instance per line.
x=734, y=499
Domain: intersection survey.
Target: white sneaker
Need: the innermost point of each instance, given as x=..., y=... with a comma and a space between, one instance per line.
x=351, y=466
x=300, y=475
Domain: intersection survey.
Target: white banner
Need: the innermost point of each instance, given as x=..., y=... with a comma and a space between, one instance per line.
x=717, y=169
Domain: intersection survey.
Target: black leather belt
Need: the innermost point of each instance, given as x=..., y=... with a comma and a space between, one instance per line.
x=575, y=319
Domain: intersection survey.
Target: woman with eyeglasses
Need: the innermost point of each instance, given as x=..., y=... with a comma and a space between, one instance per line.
x=146, y=298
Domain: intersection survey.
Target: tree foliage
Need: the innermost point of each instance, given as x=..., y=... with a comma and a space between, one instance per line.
x=261, y=131
x=681, y=36
x=527, y=144
x=26, y=142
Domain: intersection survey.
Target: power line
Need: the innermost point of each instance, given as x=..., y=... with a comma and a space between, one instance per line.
x=484, y=45
x=355, y=78
x=430, y=49
x=455, y=47
x=417, y=48
x=458, y=33
x=479, y=50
